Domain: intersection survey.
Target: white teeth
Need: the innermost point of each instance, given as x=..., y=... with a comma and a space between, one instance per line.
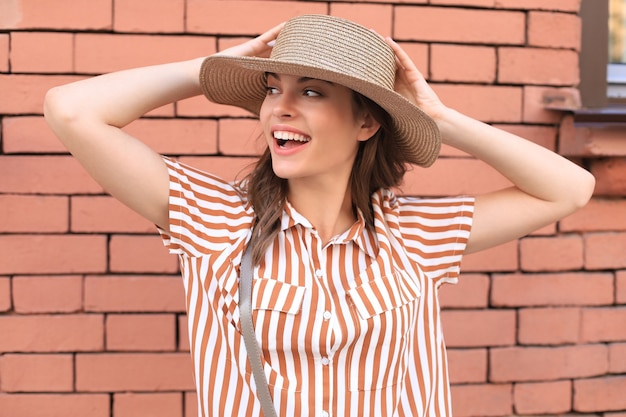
x=283, y=135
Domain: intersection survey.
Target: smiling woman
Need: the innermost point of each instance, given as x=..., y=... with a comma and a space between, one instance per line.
x=345, y=274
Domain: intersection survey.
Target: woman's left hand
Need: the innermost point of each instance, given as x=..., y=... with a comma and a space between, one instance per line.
x=411, y=84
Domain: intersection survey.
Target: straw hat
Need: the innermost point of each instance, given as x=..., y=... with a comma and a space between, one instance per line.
x=331, y=49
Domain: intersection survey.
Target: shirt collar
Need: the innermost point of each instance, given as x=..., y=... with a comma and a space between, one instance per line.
x=358, y=232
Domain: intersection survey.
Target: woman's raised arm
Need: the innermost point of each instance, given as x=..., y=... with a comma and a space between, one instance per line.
x=546, y=187
x=87, y=116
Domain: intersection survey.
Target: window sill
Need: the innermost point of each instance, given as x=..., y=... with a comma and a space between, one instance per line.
x=612, y=114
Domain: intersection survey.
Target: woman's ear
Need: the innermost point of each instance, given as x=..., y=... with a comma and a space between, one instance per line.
x=369, y=127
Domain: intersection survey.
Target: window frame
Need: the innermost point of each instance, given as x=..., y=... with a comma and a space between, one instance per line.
x=596, y=79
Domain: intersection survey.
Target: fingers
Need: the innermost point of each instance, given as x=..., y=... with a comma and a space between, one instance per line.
x=271, y=34
x=404, y=61
x=259, y=46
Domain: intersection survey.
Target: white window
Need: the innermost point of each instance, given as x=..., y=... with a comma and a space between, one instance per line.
x=616, y=70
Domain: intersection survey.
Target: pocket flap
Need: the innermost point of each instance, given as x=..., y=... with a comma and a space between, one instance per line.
x=269, y=294
x=384, y=294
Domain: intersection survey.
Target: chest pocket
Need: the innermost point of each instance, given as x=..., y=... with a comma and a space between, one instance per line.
x=384, y=294
x=385, y=312
x=269, y=294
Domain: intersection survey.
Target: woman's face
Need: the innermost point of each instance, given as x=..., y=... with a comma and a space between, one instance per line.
x=311, y=128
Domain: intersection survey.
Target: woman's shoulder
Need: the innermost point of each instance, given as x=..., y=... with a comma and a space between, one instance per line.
x=200, y=180
x=405, y=204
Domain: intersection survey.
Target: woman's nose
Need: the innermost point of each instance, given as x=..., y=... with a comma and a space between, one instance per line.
x=284, y=106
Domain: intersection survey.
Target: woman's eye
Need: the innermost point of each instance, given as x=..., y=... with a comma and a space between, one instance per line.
x=271, y=90
x=311, y=93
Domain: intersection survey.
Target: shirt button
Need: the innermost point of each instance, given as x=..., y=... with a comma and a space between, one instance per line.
x=319, y=273
x=325, y=361
x=325, y=413
x=327, y=315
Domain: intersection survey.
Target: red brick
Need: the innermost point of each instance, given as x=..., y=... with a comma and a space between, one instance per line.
x=620, y=287
x=98, y=53
x=4, y=52
x=52, y=254
x=225, y=17
x=499, y=258
x=543, y=397
x=534, y=107
x=140, y=254
x=617, y=358
x=33, y=213
x=549, y=326
x=555, y=253
x=610, y=176
x=241, y=137
x=482, y=400
x=183, y=333
x=547, y=363
x=48, y=294
x=45, y=175
x=119, y=372
x=228, y=168
x=472, y=291
x=167, y=404
x=57, y=14
x=600, y=394
x=445, y=177
x=24, y=94
x=55, y=405
x=559, y=5
x=42, y=52
x=156, y=16
x=52, y=333
x=463, y=63
x=378, y=17
x=191, y=404
x=141, y=332
x=478, y=3
x=199, y=106
x=603, y=324
x=104, y=214
x=605, y=250
x=537, y=66
x=487, y=103
x=37, y=373
x=554, y=30
x=599, y=215
x=134, y=294
x=177, y=136
x=434, y=23
x=518, y=290
x=5, y=294
x=590, y=140
x=29, y=134
x=467, y=365
x=478, y=328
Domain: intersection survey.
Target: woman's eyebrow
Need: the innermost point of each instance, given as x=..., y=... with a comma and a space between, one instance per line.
x=300, y=80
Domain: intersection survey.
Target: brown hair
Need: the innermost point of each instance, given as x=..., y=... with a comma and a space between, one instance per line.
x=378, y=164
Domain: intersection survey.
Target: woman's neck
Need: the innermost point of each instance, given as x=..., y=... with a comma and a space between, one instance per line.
x=329, y=209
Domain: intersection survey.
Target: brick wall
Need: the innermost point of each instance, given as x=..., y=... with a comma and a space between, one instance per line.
x=92, y=319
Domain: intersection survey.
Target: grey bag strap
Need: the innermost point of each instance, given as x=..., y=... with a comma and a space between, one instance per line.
x=247, y=328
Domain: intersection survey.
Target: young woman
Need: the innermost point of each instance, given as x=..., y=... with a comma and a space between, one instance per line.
x=346, y=274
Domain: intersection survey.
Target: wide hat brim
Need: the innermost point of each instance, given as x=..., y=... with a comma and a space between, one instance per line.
x=240, y=81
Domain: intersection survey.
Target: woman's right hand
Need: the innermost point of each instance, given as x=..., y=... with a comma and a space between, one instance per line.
x=261, y=46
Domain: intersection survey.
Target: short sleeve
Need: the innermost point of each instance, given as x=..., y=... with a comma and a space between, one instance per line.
x=206, y=214
x=435, y=233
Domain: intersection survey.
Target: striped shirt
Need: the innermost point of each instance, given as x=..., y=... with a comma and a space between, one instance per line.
x=347, y=328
